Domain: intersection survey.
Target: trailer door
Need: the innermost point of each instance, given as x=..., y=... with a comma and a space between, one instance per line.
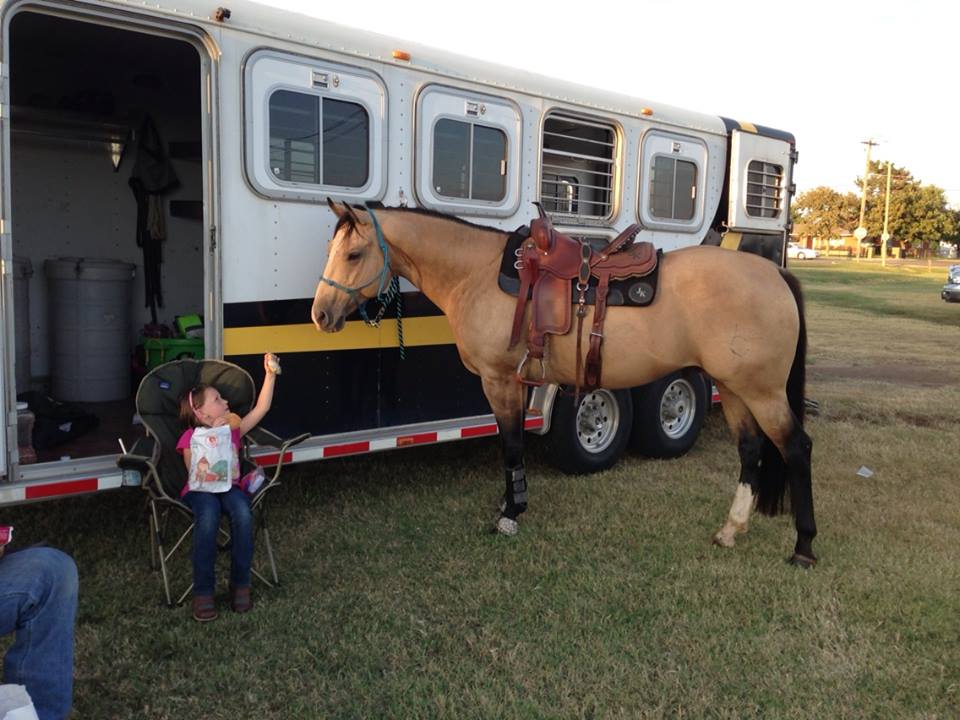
x=760, y=171
x=7, y=350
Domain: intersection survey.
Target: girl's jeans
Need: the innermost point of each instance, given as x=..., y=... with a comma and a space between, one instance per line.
x=207, y=509
x=38, y=601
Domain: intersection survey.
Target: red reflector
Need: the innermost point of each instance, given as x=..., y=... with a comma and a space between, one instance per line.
x=274, y=459
x=70, y=487
x=348, y=449
x=407, y=440
x=479, y=430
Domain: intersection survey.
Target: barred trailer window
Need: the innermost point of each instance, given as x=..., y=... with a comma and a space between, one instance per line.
x=469, y=161
x=764, y=189
x=318, y=140
x=577, y=169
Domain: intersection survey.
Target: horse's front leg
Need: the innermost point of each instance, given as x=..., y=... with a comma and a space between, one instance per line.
x=507, y=400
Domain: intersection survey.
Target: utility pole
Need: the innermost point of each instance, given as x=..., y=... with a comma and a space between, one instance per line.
x=861, y=232
x=886, y=221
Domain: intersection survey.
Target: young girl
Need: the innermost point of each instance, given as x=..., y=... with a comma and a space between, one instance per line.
x=203, y=406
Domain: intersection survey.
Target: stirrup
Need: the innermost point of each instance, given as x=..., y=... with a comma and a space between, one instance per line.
x=543, y=372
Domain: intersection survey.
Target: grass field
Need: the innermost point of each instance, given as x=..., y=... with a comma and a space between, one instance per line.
x=611, y=603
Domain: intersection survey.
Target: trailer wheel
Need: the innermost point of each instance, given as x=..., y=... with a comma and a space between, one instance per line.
x=591, y=436
x=669, y=414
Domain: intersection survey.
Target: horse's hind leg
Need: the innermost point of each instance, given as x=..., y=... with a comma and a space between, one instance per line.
x=750, y=446
x=795, y=447
x=507, y=402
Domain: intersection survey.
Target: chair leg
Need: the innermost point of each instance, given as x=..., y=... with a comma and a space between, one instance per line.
x=161, y=554
x=269, y=548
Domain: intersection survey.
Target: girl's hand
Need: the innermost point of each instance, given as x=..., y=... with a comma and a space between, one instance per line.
x=271, y=363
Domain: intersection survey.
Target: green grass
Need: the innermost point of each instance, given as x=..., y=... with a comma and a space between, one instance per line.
x=905, y=291
x=397, y=602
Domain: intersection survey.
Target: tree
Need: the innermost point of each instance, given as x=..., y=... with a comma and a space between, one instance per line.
x=918, y=213
x=824, y=212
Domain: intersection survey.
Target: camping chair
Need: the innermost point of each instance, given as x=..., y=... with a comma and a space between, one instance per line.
x=162, y=468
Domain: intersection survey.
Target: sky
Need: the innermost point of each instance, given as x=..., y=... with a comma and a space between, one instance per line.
x=834, y=74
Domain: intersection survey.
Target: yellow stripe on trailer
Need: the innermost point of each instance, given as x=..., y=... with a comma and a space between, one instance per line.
x=731, y=240
x=749, y=127
x=356, y=335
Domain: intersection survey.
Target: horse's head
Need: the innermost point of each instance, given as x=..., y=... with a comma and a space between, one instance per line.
x=357, y=268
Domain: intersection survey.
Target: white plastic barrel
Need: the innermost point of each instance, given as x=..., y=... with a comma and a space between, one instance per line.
x=89, y=302
x=22, y=272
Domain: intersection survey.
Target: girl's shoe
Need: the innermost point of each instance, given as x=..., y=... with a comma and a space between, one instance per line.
x=204, y=609
x=240, y=600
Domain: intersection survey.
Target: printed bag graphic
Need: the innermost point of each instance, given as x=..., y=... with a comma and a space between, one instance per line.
x=212, y=459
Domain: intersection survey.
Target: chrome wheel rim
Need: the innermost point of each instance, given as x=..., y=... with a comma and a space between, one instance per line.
x=598, y=419
x=678, y=407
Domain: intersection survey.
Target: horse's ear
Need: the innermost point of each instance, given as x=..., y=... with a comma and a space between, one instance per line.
x=354, y=214
x=540, y=210
x=338, y=210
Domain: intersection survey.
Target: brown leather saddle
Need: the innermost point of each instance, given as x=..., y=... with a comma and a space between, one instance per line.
x=550, y=263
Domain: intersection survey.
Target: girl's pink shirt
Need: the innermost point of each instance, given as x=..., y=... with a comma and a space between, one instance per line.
x=184, y=444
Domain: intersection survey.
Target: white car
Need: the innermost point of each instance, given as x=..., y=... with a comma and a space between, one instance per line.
x=797, y=252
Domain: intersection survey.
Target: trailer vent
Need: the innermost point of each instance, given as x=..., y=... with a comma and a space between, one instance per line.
x=764, y=189
x=577, y=172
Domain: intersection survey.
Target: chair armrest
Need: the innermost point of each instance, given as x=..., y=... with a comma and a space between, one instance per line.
x=140, y=457
x=263, y=437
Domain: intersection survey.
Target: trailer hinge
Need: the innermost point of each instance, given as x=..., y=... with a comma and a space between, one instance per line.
x=213, y=238
x=795, y=156
x=12, y=430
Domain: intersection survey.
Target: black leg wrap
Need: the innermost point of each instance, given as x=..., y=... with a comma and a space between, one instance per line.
x=516, y=495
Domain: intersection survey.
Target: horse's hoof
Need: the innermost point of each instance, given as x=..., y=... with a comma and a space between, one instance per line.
x=802, y=561
x=724, y=541
x=506, y=526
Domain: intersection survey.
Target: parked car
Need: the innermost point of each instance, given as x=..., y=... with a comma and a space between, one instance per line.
x=798, y=252
x=951, y=291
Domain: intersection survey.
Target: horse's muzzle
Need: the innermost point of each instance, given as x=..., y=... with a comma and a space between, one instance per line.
x=327, y=321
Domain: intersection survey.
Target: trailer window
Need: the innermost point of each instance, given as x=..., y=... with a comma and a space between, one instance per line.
x=469, y=161
x=673, y=188
x=577, y=169
x=318, y=140
x=559, y=193
x=764, y=189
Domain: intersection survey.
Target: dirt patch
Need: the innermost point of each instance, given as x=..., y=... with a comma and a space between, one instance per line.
x=890, y=373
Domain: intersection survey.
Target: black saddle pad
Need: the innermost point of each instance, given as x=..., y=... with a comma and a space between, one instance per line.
x=631, y=291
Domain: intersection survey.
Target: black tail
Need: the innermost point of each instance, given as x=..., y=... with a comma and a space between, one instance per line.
x=772, y=490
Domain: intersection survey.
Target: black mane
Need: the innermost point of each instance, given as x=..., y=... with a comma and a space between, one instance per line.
x=374, y=205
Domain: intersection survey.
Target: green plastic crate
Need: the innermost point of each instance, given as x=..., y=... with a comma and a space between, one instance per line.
x=161, y=350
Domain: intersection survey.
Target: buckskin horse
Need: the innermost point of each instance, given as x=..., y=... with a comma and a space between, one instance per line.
x=735, y=315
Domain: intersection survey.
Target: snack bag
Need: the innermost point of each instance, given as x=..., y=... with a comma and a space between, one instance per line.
x=6, y=534
x=212, y=459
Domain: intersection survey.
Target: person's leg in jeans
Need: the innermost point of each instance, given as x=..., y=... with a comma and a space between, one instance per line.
x=236, y=504
x=206, y=519
x=38, y=601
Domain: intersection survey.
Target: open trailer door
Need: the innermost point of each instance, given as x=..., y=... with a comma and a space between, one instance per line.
x=7, y=350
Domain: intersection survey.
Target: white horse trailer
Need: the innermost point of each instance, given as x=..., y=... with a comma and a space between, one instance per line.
x=170, y=159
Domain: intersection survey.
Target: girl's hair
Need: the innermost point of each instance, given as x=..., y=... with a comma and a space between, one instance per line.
x=190, y=402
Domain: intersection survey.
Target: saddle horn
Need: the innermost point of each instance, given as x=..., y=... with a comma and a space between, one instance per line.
x=543, y=213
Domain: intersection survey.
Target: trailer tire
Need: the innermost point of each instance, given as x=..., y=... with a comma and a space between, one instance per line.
x=593, y=435
x=669, y=414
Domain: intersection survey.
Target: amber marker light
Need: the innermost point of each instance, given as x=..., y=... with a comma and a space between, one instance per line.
x=646, y=111
x=401, y=55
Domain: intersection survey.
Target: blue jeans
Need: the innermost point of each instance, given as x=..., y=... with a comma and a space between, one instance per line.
x=38, y=601
x=207, y=509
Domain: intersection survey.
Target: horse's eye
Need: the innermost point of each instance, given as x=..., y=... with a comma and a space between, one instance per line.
x=354, y=256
